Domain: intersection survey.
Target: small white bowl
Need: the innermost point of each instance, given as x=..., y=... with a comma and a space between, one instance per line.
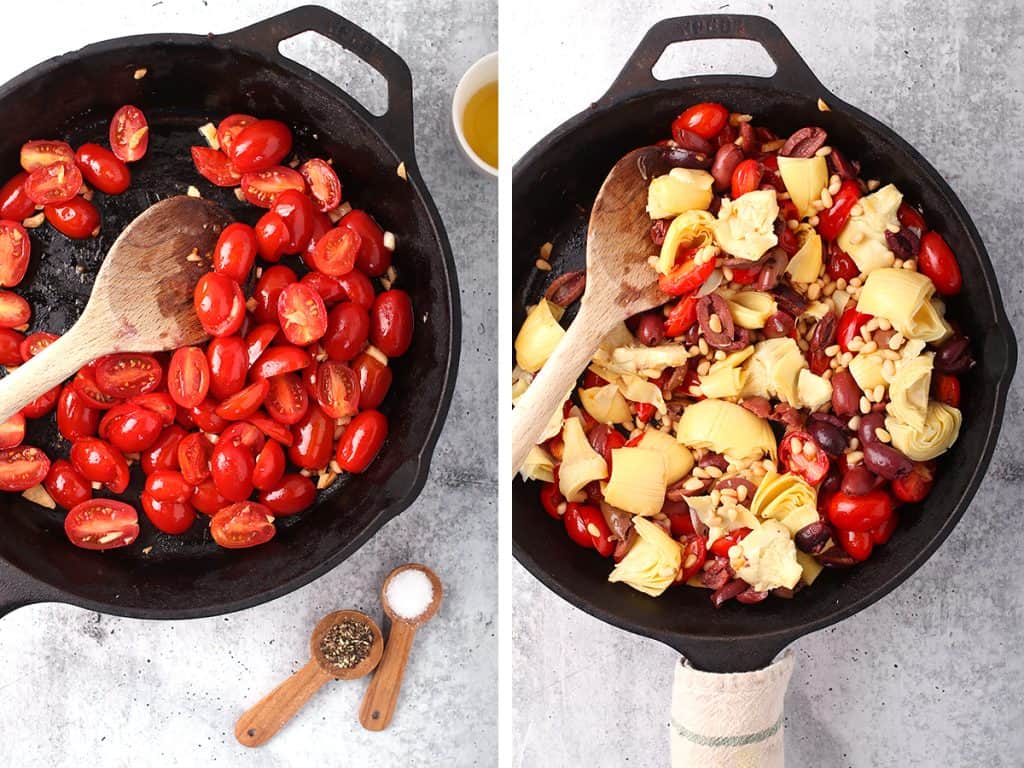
x=484, y=71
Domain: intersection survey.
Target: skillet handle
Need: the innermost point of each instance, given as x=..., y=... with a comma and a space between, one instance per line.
x=266, y=36
x=792, y=73
x=18, y=590
x=733, y=718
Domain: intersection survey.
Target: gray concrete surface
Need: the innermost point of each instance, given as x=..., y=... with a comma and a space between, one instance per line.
x=77, y=688
x=932, y=675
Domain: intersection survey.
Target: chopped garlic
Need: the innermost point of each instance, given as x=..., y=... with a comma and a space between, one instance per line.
x=209, y=132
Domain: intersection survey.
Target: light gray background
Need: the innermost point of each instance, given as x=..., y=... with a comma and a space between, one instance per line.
x=931, y=675
x=77, y=688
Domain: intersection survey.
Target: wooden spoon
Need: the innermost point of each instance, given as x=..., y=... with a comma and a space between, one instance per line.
x=141, y=300
x=382, y=694
x=620, y=283
x=260, y=723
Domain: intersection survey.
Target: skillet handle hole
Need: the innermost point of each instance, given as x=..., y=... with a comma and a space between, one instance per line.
x=342, y=67
x=723, y=57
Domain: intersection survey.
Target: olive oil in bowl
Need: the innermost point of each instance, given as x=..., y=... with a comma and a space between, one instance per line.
x=480, y=123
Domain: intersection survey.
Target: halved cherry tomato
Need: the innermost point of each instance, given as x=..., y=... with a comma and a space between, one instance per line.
x=10, y=347
x=268, y=292
x=229, y=128
x=43, y=152
x=14, y=311
x=292, y=494
x=337, y=389
x=14, y=252
x=160, y=403
x=194, y=458
x=173, y=517
x=575, y=527
x=859, y=513
x=644, y=412
x=841, y=265
x=857, y=544
x=272, y=236
x=215, y=167
x=42, y=405
x=391, y=322
x=102, y=524
x=335, y=254
x=936, y=260
x=746, y=177
x=207, y=498
x=373, y=259
x=302, y=314
x=946, y=389
x=245, y=402
x=246, y=435
x=36, y=343
x=245, y=524
x=374, y=379
x=21, y=467
x=55, y=183
x=681, y=317
x=745, y=276
x=313, y=439
x=219, y=303
x=228, y=365
x=321, y=226
x=914, y=487
x=679, y=519
x=102, y=168
x=77, y=218
x=705, y=119
x=723, y=544
x=85, y=384
x=129, y=134
x=832, y=221
x=205, y=416
x=188, y=376
x=270, y=466
x=849, y=327
x=231, y=468
x=96, y=460
x=362, y=440
x=15, y=204
x=127, y=374
x=297, y=212
x=75, y=416
x=324, y=185
x=686, y=275
x=284, y=358
x=12, y=431
x=287, y=400
x=163, y=454
x=258, y=340
x=329, y=288
x=811, y=463
x=261, y=145
x=596, y=528
x=884, y=532
x=66, y=485
x=358, y=288
x=911, y=218
x=695, y=553
x=272, y=429
x=235, y=252
x=260, y=188
x=348, y=328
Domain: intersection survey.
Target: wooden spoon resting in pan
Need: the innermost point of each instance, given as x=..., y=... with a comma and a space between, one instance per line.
x=620, y=283
x=142, y=300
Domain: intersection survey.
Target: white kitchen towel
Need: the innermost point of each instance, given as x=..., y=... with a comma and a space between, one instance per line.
x=729, y=720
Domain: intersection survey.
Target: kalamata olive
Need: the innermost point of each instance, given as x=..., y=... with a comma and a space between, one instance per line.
x=954, y=357
x=882, y=459
x=748, y=139
x=726, y=159
x=789, y=300
x=904, y=244
x=567, y=288
x=824, y=332
x=716, y=460
x=836, y=557
x=658, y=230
x=828, y=437
x=859, y=480
x=660, y=160
x=813, y=538
x=716, y=572
x=833, y=480
x=846, y=169
x=651, y=329
x=784, y=413
x=868, y=424
x=759, y=406
x=845, y=394
x=773, y=265
x=749, y=596
x=727, y=335
x=804, y=143
x=692, y=141
x=882, y=338
x=779, y=325
x=676, y=491
x=784, y=592
x=728, y=592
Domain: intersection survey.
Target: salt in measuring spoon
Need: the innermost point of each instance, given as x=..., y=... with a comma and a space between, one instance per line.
x=382, y=694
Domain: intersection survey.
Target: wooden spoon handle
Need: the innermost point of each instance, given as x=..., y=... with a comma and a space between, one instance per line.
x=555, y=380
x=49, y=368
x=260, y=723
x=382, y=694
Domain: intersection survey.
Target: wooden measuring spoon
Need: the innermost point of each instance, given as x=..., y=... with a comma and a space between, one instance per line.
x=620, y=283
x=260, y=723
x=142, y=299
x=382, y=694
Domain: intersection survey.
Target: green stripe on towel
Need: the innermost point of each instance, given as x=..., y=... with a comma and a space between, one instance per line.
x=727, y=741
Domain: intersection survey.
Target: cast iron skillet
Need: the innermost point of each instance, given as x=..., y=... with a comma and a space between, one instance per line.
x=552, y=189
x=192, y=79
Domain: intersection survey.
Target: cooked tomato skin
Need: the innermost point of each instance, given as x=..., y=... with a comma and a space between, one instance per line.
x=131, y=428
x=284, y=358
x=270, y=466
x=77, y=218
x=391, y=322
x=244, y=403
x=374, y=380
x=129, y=134
x=313, y=439
x=235, y=252
x=163, y=454
x=937, y=261
x=268, y=291
x=99, y=462
x=296, y=210
x=21, y=467
x=362, y=440
x=91, y=524
x=261, y=145
x=10, y=347
x=358, y=288
x=207, y=498
x=12, y=431
x=348, y=328
x=231, y=468
x=219, y=303
x=75, y=417
x=14, y=311
x=291, y=495
x=14, y=201
x=373, y=259
x=173, y=517
x=226, y=357
x=102, y=169
x=705, y=119
x=66, y=485
x=245, y=524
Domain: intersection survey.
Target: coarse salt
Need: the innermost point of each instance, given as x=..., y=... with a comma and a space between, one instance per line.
x=410, y=593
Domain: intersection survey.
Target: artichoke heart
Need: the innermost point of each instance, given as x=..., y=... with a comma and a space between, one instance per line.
x=812, y=568
x=643, y=361
x=638, y=482
x=692, y=229
x=787, y=499
x=720, y=520
x=678, y=191
x=804, y=178
x=806, y=263
x=776, y=366
x=812, y=391
x=725, y=428
x=902, y=297
x=745, y=227
x=581, y=464
x=725, y=378
x=678, y=459
x=538, y=336
x=606, y=404
x=751, y=309
x=539, y=465
x=941, y=429
x=908, y=391
x=863, y=237
x=866, y=370
x=766, y=558
x=653, y=562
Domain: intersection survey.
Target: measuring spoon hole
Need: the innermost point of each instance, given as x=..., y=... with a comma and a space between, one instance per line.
x=342, y=67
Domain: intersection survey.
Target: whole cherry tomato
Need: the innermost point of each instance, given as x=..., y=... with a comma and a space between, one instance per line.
x=168, y=485
x=705, y=119
x=832, y=221
x=228, y=364
x=98, y=462
x=859, y=513
x=131, y=428
x=312, y=439
x=235, y=252
x=358, y=288
x=857, y=544
x=160, y=403
x=163, y=454
x=207, y=498
x=391, y=322
x=260, y=145
x=268, y=291
x=914, y=487
x=296, y=210
x=229, y=128
x=802, y=456
x=292, y=494
x=270, y=466
x=361, y=441
x=272, y=236
x=946, y=389
x=936, y=260
x=911, y=218
x=219, y=304
x=746, y=177
x=102, y=168
x=373, y=259
x=374, y=379
x=75, y=416
x=173, y=517
x=849, y=327
x=15, y=204
x=66, y=485
x=231, y=468
x=102, y=524
x=329, y=288
x=348, y=328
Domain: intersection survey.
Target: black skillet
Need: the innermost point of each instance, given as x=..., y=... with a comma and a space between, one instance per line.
x=553, y=187
x=192, y=79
